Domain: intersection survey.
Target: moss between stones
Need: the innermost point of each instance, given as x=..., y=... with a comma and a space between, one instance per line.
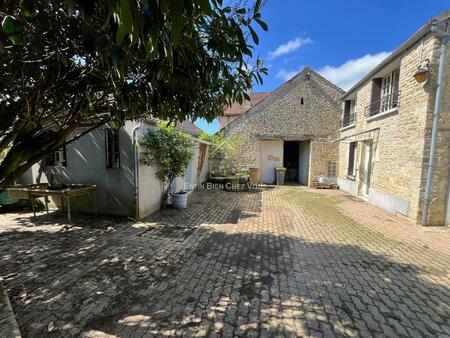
x=327, y=212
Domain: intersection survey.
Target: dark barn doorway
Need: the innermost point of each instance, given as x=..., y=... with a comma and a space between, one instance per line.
x=291, y=153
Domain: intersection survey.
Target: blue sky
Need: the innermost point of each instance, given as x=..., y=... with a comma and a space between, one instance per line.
x=342, y=40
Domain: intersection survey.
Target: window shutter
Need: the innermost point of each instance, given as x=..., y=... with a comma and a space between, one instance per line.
x=112, y=149
x=395, y=92
x=108, y=147
x=351, y=159
x=116, y=149
x=376, y=96
x=64, y=159
x=347, y=108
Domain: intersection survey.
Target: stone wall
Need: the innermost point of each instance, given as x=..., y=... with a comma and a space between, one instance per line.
x=440, y=187
x=401, y=139
x=282, y=116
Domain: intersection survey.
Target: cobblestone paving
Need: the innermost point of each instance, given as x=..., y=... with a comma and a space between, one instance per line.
x=284, y=262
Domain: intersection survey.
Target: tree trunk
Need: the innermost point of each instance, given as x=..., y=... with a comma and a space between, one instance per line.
x=27, y=151
x=165, y=196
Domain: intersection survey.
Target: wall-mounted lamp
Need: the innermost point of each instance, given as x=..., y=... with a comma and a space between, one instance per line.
x=421, y=73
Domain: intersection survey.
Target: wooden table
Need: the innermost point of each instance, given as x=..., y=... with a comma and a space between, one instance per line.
x=65, y=192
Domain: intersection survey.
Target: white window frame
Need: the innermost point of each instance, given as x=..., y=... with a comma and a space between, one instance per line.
x=387, y=91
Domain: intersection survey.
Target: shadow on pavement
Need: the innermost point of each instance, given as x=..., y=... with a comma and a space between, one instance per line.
x=124, y=279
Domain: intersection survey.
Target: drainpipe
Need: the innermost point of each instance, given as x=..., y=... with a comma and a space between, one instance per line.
x=136, y=170
x=435, y=126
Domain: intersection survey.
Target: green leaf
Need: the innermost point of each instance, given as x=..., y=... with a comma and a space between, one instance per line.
x=205, y=5
x=176, y=16
x=254, y=35
x=262, y=24
x=87, y=7
x=125, y=21
x=11, y=25
x=13, y=29
x=257, y=7
x=69, y=10
x=27, y=7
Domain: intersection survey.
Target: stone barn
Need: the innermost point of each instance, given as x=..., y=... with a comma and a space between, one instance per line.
x=295, y=127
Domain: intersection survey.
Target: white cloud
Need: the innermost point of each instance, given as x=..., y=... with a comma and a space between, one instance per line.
x=353, y=70
x=287, y=74
x=288, y=47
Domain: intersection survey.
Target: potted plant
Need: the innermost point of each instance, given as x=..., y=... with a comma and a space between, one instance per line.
x=170, y=152
x=280, y=172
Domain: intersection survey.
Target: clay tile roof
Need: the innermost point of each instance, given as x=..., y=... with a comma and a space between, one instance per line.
x=239, y=109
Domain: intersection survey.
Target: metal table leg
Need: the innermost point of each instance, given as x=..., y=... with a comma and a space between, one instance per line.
x=69, y=215
x=46, y=203
x=33, y=207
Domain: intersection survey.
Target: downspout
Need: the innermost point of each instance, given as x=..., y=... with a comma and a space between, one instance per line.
x=435, y=125
x=136, y=171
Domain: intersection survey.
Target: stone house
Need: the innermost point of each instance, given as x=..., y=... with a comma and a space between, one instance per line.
x=237, y=109
x=296, y=126
x=386, y=130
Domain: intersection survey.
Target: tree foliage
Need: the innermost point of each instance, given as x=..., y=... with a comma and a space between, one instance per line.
x=69, y=66
x=223, y=153
x=167, y=150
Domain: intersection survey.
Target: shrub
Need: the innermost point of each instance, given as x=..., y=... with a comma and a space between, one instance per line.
x=223, y=153
x=169, y=151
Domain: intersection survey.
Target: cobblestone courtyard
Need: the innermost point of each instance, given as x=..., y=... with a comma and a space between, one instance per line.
x=285, y=262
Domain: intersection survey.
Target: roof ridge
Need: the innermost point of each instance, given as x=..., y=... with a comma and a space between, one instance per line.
x=280, y=87
x=328, y=81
